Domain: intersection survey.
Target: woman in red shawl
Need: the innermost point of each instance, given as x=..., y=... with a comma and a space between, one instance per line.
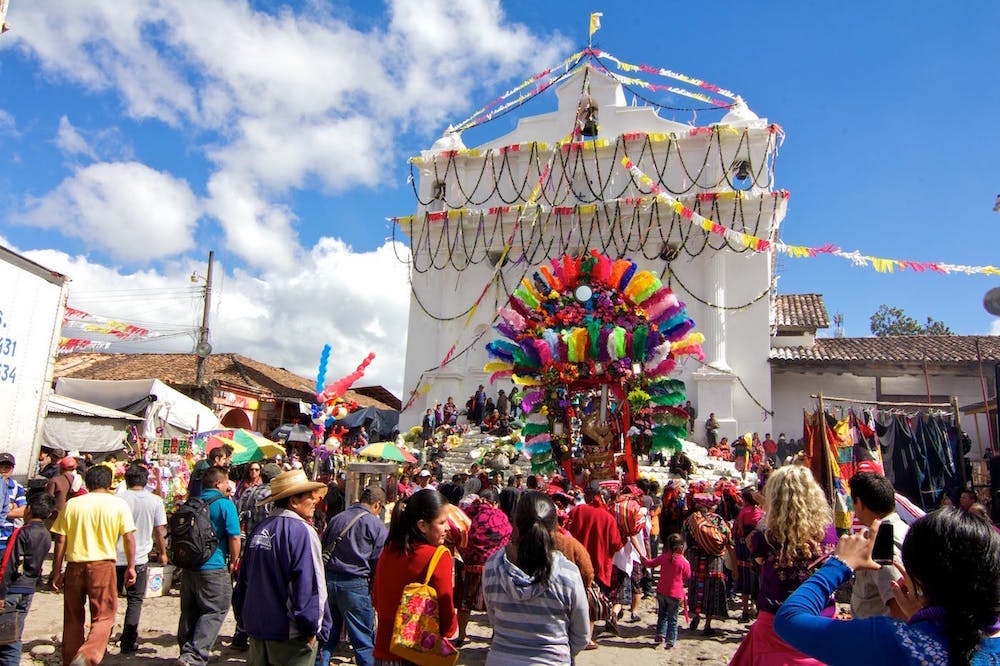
x=672, y=513
x=489, y=532
x=747, y=576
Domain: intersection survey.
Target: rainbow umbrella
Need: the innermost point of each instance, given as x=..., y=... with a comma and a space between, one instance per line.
x=386, y=451
x=247, y=446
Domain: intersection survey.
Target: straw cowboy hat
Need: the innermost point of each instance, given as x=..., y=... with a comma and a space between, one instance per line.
x=291, y=483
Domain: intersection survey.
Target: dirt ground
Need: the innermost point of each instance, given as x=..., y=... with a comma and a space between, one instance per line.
x=157, y=643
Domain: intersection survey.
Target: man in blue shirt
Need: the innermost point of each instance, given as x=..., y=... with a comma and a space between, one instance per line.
x=354, y=539
x=13, y=497
x=207, y=592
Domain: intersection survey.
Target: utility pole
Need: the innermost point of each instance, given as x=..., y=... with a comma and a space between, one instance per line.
x=203, y=350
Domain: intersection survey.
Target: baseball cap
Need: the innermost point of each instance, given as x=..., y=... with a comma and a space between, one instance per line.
x=269, y=471
x=7, y=459
x=69, y=462
x=425, y=472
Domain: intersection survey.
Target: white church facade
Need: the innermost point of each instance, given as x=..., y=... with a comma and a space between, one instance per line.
x=540, y=191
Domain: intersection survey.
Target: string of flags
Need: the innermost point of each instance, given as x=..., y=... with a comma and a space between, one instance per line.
x=497, y=106
x=78, y=320
x=542, y=80
x=628, y=67
x=880, y=264
x=67, y=345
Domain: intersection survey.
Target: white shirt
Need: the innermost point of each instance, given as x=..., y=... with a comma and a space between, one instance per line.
x=148, y=514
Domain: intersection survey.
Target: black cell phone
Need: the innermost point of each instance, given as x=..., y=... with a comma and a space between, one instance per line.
x=884, y=548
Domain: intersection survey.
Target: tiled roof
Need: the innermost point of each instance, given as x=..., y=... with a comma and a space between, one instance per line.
x=800, y=312
x=381, y=394
x=941, y=349
x=179, y=371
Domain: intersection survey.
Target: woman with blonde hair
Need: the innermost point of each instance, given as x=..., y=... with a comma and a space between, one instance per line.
x=795, y=535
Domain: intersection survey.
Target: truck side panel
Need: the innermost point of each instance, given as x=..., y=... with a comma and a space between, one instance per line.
x=32, y=300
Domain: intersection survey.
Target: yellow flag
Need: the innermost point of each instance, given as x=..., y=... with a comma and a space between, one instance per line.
x=595, y=22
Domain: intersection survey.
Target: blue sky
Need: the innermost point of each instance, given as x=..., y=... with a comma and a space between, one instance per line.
x=137, y=137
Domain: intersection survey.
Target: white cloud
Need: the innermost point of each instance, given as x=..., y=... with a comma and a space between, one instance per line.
x=134, y=212
x=7, y=123
x=256, y=230
x=292, y=98
x=995, y=327
x=282, y=317
x=106, y=144
x=108, y=45
x=70, y=141
x=285, y=316
x=333, y=152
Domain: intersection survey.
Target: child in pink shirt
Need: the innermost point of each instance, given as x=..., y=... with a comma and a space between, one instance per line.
x=674, y=573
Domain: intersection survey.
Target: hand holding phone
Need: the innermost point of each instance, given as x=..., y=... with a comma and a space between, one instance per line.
x=855, y=550
x=884, y=549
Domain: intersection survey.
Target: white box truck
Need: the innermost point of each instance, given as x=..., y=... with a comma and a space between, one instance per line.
x=32, y=302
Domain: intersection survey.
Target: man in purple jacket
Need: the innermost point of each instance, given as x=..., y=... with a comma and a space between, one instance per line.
x=354, y=539
x=280, y=596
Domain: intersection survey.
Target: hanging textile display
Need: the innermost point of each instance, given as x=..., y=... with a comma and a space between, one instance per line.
x=867, y=453
x=825, y=462
x=921, y=453
x=917, y=452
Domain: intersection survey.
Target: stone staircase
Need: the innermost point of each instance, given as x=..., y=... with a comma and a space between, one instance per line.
x=458, y=459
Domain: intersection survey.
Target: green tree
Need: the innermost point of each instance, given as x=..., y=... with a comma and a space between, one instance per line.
x=935, y=327
x=893, y=321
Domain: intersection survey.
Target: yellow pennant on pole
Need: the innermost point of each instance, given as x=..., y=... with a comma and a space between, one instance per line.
x=595, y=22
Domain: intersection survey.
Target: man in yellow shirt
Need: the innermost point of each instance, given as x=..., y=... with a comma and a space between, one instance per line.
x=87, y=533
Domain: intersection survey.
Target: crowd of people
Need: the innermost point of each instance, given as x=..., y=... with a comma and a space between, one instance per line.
x=552, y=562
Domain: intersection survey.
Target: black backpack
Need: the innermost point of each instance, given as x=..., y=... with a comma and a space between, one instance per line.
x=192, y=538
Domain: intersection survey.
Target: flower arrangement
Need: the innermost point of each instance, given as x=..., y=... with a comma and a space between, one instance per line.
x=593, y=318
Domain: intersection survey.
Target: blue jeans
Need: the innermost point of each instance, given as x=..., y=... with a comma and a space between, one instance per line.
x=10, y=655
x=350, y=605
x=667, y=610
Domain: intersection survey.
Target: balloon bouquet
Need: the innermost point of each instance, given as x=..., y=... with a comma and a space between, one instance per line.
x=331, y=406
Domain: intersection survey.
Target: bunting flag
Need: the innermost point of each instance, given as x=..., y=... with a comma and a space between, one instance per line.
x=80, y=320
x=544, y=79
x=541, y=80
x=626, y=67
x=658, y=87
x=880, y=264
x=67, y=345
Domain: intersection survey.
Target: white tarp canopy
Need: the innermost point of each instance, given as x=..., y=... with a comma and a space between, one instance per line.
x=172, y=414
x=77, y=425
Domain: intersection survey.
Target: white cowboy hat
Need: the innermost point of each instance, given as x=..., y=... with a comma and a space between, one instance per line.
x=291, y=483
